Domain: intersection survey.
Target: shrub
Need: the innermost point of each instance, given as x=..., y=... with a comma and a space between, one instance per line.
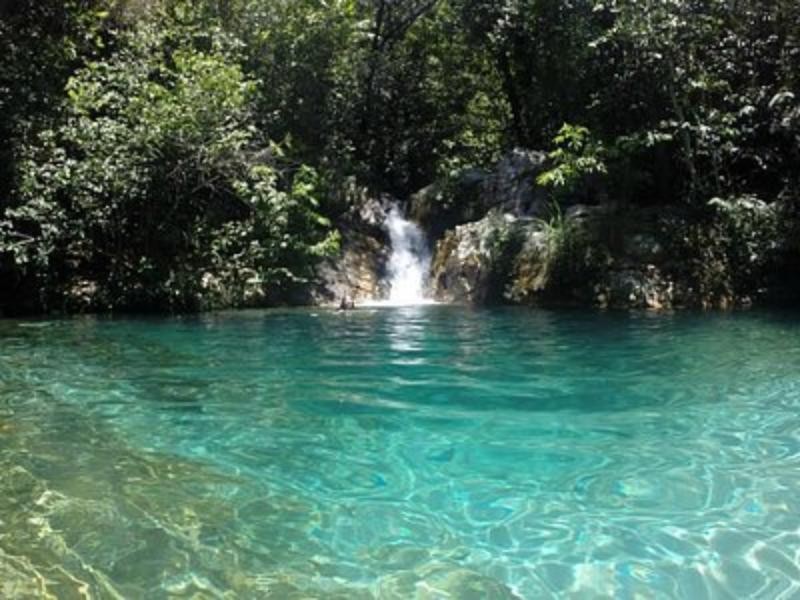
x=156, y=182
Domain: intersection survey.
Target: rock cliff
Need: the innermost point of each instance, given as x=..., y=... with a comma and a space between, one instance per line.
x=498, y=237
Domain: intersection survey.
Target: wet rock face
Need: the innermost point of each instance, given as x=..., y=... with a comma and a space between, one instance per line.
x=644, y=247
x=509, y=188
x=530, y=272
x=641, y=287
x=512, y=186
x=356, y=273
x=502, y=258
x=370, y=212
x=471, y=262
x=442, y=206
x=462, y=265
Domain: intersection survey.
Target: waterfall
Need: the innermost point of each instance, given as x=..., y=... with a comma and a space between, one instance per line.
x=409, y=262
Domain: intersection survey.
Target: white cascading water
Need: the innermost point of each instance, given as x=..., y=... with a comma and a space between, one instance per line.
x=409, y=262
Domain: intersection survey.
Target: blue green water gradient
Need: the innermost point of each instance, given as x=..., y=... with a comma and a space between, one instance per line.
x=430, y=452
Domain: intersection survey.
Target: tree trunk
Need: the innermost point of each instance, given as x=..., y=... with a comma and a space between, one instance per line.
x=520, y=129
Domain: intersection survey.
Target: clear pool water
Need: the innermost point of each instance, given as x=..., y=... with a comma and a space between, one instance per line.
x=426, y=452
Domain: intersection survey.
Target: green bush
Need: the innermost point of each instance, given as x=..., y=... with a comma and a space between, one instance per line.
x=156, y=182
x=574, y=258
x=747, y=235
x=727, y=253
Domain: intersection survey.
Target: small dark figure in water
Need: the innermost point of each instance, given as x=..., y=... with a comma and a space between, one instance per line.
x=347, y=303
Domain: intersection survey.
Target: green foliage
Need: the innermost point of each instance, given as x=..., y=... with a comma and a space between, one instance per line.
x=729, y=253
x=748, y=234
x=717, y=73
x=40, y=42
x=138, y=148
x=572, y=257
x=157, y=182
x=426, y=103
x=576, y=155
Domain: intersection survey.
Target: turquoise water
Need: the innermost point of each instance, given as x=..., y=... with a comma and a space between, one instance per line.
x=426, y=452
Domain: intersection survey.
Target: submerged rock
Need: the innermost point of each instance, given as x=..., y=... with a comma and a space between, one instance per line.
x=442, y=579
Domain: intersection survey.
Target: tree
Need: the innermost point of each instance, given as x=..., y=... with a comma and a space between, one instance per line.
x=156, y=190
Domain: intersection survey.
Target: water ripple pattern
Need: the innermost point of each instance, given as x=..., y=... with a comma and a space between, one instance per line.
x=422, y=452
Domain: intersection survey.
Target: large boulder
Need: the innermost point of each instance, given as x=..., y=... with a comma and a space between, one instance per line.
x=446, y=204
x=530, y=270
x=643, y=286
x=522, y=260
x=510, y=187
x=471, y=262
x=588, y=256
x=356, y=272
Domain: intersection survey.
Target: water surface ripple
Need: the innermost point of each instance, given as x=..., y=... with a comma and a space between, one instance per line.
x=427, y=452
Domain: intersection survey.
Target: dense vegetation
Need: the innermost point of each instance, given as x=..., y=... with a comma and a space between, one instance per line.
x=164, y=154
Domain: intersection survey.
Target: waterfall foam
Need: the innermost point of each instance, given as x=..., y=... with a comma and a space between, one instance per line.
x=409, y=262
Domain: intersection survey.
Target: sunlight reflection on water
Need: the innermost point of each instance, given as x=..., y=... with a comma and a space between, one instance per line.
x=399, y=453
